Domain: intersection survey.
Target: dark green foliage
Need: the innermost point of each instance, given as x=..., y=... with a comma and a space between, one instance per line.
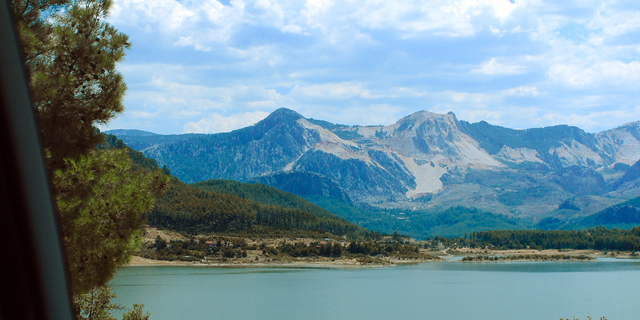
x=189, y=209
x=160, y=244
x=97, y=305
x=136, y=313
x=70, y=52
x=569, y=204
x=101, y=202
x=263, y=194
x=598, y=238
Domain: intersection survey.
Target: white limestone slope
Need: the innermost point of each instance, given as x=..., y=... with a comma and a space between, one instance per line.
x=577, y=154
x=518, y=155
x=444, y=147
x=332, y=144
x=622, y=144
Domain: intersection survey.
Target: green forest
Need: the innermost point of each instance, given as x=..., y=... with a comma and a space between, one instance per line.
x=189, y=209
x=598, y=238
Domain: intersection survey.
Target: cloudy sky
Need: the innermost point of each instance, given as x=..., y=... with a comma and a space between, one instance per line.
x=213, y=66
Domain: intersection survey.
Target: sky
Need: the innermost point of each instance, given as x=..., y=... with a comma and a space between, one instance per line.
x=216, y=66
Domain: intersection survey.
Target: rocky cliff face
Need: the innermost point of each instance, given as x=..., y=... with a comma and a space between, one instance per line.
x=424, y=155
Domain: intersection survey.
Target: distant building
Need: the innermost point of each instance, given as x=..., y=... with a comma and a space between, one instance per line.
x=210, y=244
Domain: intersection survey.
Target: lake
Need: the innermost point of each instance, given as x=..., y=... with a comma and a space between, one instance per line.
x=440, y=290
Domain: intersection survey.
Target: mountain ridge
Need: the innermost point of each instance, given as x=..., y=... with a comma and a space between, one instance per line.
x=520, y=173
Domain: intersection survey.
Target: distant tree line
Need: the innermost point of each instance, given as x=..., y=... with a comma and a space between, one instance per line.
x=598, y=238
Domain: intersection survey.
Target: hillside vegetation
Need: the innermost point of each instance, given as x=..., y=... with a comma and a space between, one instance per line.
x=189, y=209
x=263, y=194
x=598, y=238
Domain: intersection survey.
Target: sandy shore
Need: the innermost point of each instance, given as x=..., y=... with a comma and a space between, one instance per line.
x=327, y=263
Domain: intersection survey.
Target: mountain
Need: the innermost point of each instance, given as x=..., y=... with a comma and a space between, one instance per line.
x=423, y=161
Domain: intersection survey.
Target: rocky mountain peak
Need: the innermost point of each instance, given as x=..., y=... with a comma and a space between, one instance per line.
x=283, y=115
x=422, y=116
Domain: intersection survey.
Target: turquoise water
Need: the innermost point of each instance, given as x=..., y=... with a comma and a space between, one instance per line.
x=443, y=290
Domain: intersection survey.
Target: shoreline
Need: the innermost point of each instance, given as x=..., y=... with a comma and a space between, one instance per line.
x=338, y=264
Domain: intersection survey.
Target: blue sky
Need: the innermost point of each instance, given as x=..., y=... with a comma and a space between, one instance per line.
x=215, y=66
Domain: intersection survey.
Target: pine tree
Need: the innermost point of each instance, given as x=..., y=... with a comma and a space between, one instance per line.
x=100, y=203
x=70, y=52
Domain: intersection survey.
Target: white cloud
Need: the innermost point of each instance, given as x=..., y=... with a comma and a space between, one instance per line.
x=523, y=64
x=216, y=122
x=466, y=97
x=141, y=114
x=492, y=67
x=334, y=91
x=594, y=120
x=374, y=114
x=607, y=73
x=522, y=91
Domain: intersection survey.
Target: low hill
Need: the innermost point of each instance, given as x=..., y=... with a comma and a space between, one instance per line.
x=264, y=194
x=625, y=215
x=189, y=209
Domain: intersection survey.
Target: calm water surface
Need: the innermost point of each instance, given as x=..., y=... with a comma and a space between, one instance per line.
x=442, y=290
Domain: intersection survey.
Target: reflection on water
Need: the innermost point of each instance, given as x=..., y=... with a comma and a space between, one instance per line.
x=441, y=290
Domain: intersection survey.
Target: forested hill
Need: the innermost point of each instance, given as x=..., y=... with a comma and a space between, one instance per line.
x=264, y=194
x=189, y=209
